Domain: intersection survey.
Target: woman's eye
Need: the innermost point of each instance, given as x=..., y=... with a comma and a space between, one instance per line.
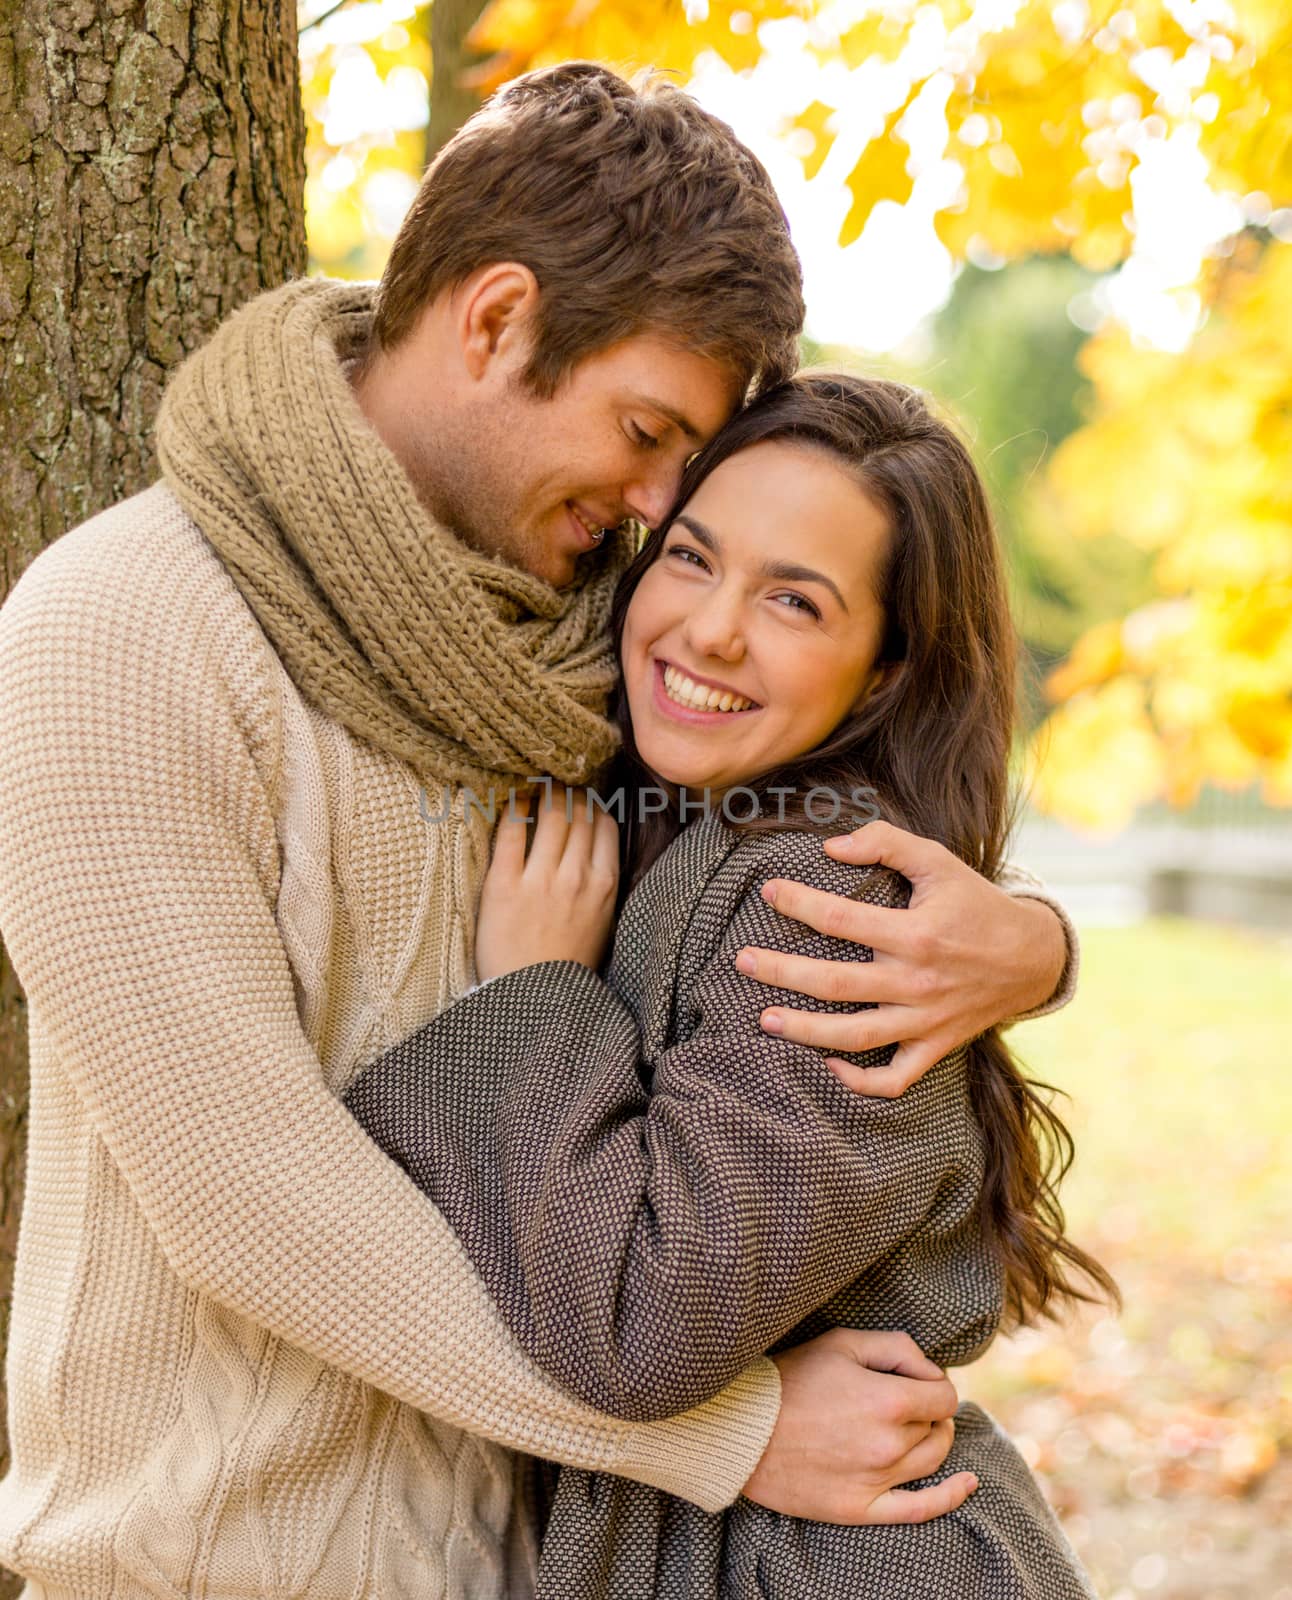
x=797, y=602
x=644, y=440
x=683, y=553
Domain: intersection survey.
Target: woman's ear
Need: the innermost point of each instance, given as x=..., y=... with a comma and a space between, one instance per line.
x=493, y=318
x=879, y=677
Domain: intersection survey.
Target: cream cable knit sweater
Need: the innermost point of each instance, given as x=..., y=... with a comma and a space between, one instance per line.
x=247, y=1357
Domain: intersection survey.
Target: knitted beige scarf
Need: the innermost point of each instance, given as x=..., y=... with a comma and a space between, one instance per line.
x=467, y=668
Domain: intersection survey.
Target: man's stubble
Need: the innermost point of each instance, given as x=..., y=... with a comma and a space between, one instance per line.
x=472, y=478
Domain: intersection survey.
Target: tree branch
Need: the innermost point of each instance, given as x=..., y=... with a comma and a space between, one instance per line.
x=304, y=27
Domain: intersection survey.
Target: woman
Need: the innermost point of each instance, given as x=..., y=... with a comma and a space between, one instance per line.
x=655, y=1187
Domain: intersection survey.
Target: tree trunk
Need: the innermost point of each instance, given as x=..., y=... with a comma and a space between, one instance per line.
x=152, y=177
x=451, y=102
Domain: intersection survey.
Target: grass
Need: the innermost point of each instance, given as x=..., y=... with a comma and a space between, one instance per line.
x=1164, y=1438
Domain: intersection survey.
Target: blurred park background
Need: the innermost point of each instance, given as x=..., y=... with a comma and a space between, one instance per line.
x=1071, y=221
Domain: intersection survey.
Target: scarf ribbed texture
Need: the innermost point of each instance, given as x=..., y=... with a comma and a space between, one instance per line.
x=467, y=668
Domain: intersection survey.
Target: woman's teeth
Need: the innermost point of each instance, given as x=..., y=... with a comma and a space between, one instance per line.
x=697, y=697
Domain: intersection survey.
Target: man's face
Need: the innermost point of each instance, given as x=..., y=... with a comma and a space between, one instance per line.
x=532, y=479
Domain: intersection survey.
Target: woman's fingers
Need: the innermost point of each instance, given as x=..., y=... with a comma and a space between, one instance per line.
x=605, y=847
x=579, y=810
x=557, y=904
x=550, y=831
x=508, y=860
x=576, y=856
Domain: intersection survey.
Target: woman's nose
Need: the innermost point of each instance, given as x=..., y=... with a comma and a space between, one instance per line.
x=714, y=628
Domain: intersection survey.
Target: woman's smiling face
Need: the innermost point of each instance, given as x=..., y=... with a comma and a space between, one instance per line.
x=765, y=592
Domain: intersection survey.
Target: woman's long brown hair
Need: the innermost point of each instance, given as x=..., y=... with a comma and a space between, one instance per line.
x=932, y=741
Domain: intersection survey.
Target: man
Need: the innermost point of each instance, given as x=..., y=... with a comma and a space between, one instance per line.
x=247, y=1357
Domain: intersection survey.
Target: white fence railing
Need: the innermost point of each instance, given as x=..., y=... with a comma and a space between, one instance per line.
x=1229, y=857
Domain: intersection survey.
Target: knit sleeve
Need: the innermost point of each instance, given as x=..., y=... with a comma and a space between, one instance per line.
x=650, y=1225
x=138, y=873
x=1024, y=885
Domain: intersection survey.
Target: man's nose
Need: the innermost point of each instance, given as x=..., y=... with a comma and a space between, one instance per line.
x=649, y=498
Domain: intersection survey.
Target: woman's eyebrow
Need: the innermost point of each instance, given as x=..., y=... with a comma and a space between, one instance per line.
x=787, y=571
x=706, y=536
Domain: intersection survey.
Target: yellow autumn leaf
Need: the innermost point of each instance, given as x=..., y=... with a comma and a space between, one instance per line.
x=1049, y=112
x=520, y=28
x=1098, y=758
x=880, y=174
x=1097, y=657
x=880, y=36
x=813, y=122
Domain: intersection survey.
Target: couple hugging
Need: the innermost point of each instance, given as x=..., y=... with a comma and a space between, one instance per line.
x=570, y=1206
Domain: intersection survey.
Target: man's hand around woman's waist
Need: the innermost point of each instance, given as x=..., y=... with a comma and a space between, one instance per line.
x=861, y=1414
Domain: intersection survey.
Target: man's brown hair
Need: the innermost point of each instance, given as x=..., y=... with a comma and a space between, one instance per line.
x=636, y=210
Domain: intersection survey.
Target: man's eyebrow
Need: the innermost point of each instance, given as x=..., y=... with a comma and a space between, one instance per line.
x=670, y=414
x=787, y=571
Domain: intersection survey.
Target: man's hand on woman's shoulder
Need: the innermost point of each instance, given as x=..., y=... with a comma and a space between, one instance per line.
x=861, y=1414
x=961, y=958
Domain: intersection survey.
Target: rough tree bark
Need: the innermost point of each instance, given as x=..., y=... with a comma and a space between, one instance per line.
x=151, y=179
x=451, y=102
